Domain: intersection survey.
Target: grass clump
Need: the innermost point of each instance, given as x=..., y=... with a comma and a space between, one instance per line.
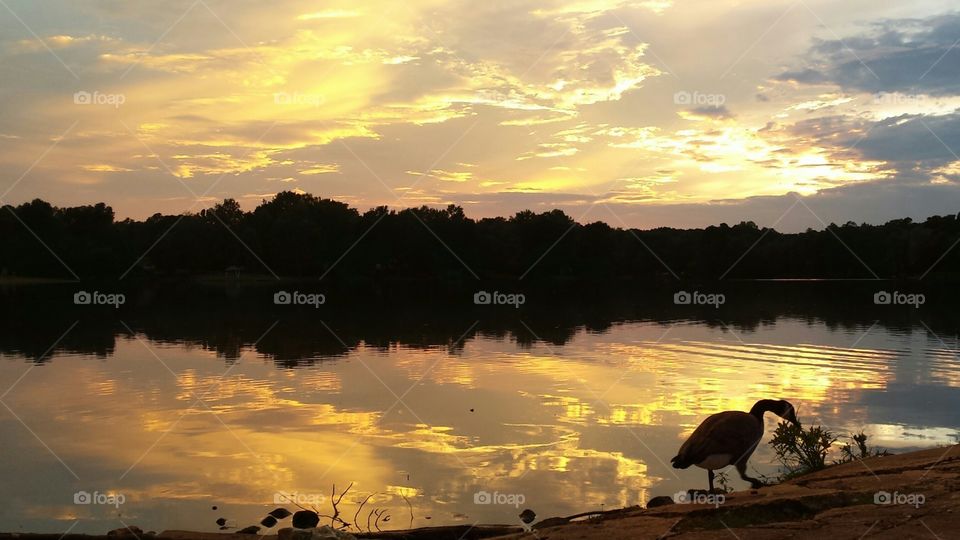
x=859, y=449
x=802, y=451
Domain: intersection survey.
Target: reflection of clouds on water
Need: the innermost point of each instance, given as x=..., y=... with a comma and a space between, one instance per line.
x=577, y=426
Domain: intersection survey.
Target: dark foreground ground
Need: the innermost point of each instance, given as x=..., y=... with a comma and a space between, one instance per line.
x=914, y=495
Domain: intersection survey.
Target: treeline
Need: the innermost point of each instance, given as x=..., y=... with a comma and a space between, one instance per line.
x=299, y=235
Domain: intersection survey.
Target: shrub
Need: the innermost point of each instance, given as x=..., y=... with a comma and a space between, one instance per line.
x=859, y=450
x=800, y=450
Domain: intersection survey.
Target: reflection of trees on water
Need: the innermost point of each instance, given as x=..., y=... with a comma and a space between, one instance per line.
x=232, y=320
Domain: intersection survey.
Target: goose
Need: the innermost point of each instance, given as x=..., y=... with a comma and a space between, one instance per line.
x=729, y=438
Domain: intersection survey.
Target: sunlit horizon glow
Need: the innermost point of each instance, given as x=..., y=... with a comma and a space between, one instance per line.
x=638, y=113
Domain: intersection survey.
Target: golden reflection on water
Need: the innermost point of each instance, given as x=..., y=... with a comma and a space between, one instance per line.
x=592, y=423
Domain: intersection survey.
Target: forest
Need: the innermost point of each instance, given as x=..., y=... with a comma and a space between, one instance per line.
x=304, y=236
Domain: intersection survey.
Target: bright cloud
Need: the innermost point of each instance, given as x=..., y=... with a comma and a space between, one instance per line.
x=622, y=101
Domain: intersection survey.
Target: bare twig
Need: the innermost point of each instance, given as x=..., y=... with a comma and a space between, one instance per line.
x=336, y=505
x=380, y=513
x=410, y=506
x=355, y=516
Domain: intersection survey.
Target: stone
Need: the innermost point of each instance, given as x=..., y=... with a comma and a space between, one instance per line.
x=320, y=533
x=280, y=513
x=329, y=533
x=305, y=519
x=661, y=500
x=126, y=532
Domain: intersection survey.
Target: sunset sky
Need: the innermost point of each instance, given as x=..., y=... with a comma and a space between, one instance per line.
x=639, y=113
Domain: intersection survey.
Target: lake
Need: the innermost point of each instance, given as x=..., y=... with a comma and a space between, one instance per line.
x=440, y=411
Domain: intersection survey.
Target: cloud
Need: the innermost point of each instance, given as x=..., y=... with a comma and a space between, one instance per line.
x=321, y=168
x=60, y=41
x=104, y=167
x=707, y=112
x=572, y=101
x=916, y=56
x=915, y=147
x=329, y=14
x=875, y=202
x=445, y=176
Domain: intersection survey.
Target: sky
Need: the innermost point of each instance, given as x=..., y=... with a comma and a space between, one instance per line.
x=644, y=113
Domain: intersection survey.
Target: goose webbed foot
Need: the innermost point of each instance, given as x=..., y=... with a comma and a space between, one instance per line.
x=754, y=483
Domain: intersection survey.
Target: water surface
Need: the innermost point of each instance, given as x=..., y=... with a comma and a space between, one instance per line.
x=179, y=416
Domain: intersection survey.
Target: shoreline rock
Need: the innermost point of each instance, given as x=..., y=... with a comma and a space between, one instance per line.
x=898, y=496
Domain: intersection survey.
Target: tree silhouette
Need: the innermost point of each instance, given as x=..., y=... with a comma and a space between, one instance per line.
x=301, y=235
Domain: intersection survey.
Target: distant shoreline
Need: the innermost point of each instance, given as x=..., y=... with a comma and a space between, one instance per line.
x=301, y=235
x=17, y=280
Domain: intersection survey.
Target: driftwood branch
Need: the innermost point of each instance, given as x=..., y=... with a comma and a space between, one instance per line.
x=410, y=506
x=368, y=518
x=357, y=515
x=336, y=506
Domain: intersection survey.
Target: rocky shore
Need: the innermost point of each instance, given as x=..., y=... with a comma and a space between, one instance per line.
x=913, y=495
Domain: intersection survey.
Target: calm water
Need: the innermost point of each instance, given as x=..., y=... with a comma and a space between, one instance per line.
x=233, y=413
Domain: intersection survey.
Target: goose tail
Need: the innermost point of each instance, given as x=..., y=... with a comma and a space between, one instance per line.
x=679, y=463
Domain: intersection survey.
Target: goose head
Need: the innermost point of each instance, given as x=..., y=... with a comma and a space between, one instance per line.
x=780, y=407
x=784, y=409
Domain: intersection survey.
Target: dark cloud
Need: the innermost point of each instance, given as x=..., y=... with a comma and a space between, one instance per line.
x=903, y=55
x=804, y=76
x=913, y=145
x=719, y=111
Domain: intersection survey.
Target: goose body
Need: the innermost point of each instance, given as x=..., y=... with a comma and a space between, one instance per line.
x=729, y=438
x=721, y=440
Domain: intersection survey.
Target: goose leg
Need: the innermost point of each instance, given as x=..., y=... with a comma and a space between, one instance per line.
x=710, y=479
x=742, y=469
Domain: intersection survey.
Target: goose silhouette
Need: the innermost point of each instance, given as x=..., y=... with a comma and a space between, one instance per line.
x=730, y=438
